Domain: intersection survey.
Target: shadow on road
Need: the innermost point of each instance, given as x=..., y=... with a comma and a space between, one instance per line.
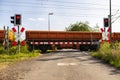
x=62, y=55
x=48, y=59
x=79, y=57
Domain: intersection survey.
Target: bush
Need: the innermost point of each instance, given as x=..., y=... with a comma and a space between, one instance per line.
x=2, y=50
x=116, y=61
x=13, y=50
x=116, y=54
x=14, y=56
x=104, y=48
x=109, y=55
x=24, y=49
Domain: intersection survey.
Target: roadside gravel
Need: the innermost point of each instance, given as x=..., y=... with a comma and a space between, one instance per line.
x=12, y=71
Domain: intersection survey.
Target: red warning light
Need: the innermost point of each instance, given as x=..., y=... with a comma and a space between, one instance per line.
x=106, y=20
x=17, y=16
x=17, y=19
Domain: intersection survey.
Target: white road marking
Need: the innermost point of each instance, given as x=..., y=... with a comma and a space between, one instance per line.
x=73, y=64
x=62, y=64
x=66, y=64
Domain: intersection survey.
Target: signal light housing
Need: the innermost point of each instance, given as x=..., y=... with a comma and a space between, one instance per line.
x=106, y=22
x=17, y=19
x=12, y=19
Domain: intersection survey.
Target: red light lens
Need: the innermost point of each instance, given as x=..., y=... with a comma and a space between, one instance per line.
x=106, y=20
x=17, y=17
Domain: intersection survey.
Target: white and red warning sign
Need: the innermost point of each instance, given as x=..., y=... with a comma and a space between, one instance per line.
x=18, y=36
x=105, y=35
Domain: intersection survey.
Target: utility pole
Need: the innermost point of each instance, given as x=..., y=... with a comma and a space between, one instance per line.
x=110, y=23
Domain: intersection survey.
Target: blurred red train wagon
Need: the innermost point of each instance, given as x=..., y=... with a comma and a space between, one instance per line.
x=63, y=39
x=2, y=35
x=60, y=35
x=116, y=36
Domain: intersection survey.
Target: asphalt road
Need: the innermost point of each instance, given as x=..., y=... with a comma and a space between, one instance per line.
x=65, y=65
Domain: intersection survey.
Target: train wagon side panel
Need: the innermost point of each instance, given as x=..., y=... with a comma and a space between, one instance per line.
x=2, y=35
x=45, y=39
x=116, y=36
x=46, y=35
x=36, y=35
x=97, y=36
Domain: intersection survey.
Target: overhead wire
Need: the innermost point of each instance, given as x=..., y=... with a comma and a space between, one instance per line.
x=54, y=7
x=40, y=3
x=34, y=4
x=62, y=7
x=64, y=15
x=72, y=2
x=67, y=2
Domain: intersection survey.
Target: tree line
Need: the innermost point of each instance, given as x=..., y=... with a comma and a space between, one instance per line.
x=81, y=26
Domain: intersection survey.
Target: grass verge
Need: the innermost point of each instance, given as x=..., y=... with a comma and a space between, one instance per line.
x=109, y=55
x=5, y=59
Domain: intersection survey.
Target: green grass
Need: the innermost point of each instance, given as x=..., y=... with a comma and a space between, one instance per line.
x=5, y=59
x=19, y=56
x=14, y=56
x=108, y=54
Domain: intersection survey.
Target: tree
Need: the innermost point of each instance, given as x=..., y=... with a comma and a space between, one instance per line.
x=79, y=26
x=11, y=36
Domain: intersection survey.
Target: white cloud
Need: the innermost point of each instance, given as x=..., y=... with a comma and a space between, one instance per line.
x=36, y=19
x=31, y=19
x=40, y=19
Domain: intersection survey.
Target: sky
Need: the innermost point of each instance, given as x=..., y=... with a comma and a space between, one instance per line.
x=65, y=12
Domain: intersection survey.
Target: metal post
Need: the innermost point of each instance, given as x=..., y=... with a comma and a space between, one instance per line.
x=18, y=40
x=110, y=23
x=48, y=22
x=33, y=46
x=7, y=40
x=105, y=32
x=104, y=29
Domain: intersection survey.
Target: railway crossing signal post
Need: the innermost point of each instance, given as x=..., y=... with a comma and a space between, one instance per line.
x=16, y=20
x=108, y=22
